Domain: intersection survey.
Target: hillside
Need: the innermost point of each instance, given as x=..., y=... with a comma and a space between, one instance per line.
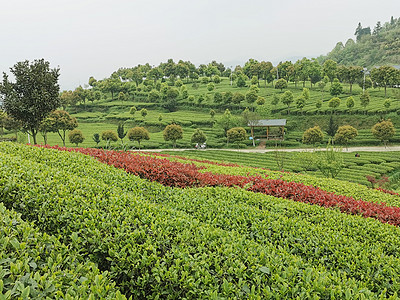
x=377, y=47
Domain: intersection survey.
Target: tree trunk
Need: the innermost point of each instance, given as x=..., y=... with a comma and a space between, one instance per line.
x=351, y=88
x=61, y=137
x=45, y=138
x=34, y=136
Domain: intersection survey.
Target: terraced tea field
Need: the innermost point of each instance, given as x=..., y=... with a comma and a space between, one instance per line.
x=227, y=234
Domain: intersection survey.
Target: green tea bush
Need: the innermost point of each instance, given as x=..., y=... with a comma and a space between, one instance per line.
x=35, y=265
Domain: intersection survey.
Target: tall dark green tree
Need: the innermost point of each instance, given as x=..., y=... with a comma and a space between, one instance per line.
x=121, y=132
x=33, y=95
x=332, y=127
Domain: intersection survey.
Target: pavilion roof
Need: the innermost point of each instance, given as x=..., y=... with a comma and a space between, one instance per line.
x=267, y=123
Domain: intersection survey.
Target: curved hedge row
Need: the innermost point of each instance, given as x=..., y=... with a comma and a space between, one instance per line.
x=177, y=174
x=37, y=266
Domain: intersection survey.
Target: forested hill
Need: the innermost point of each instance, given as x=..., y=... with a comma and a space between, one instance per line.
x=376, y=47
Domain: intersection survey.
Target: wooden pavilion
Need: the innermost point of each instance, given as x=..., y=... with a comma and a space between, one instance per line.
x=279, y=135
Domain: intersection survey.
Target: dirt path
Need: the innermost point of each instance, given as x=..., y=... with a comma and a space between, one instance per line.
x=257, y=150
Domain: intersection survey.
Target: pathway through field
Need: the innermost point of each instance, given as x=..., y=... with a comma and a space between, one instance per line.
x=263, y=150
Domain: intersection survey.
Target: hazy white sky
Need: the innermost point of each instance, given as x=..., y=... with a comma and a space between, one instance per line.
x=96, y=37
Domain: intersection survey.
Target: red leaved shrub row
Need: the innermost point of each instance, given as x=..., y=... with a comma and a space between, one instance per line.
x=181, y=175
x=387, y=191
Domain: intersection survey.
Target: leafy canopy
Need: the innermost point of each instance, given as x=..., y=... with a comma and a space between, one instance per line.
x=33, y=95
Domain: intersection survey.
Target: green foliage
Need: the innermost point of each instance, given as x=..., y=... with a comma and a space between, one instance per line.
x=178, y=83
x=329, y=69
x=306, y=94
x=370, y=50
x=332, y=127
x=143, y=112
x=121, y=132
x=364, y=99
x=383, y=131
x=236, y=135
x=330, y=161
x=133, y=110
x=260, y=100
x=241, y=80
x=336, y=88
x=60, y=121
x=334, y=103
x=210, y=86
x=173, y=132
x=76, y=137
x=313, y=135
x=300, y=103
x=287, y=99
x=251, y=97
x=138, y=134
x=198, y=137
x=350, y=102
x=125, y=219
x=228, y=97
x=254, y=88
x=226, y=121
x=154, y=96
x=345, y=134
x=322, y=85
x=170, y=99
x=318, y=104
x=200, y=99
x=33, y=95
x=281, y=84
x=185, y=93
x=96, y=138
x=275, y=99
x=216, y=79
x=212, y=113
x=387, y=103
x=109, y=136
x=238, y=98
x=204, y=80
x=249, y=116
x=218, y=97
x=121, y=96
x=39, y=266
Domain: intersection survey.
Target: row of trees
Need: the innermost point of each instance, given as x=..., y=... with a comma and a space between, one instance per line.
x=383, y=131
x=125, y=83
x=172, y=132
x=301, y=71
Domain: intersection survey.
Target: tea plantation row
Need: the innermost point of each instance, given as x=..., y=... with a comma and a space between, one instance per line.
x=37, y=266
x=355, y=169
x=162, y=242
x=339, y=187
